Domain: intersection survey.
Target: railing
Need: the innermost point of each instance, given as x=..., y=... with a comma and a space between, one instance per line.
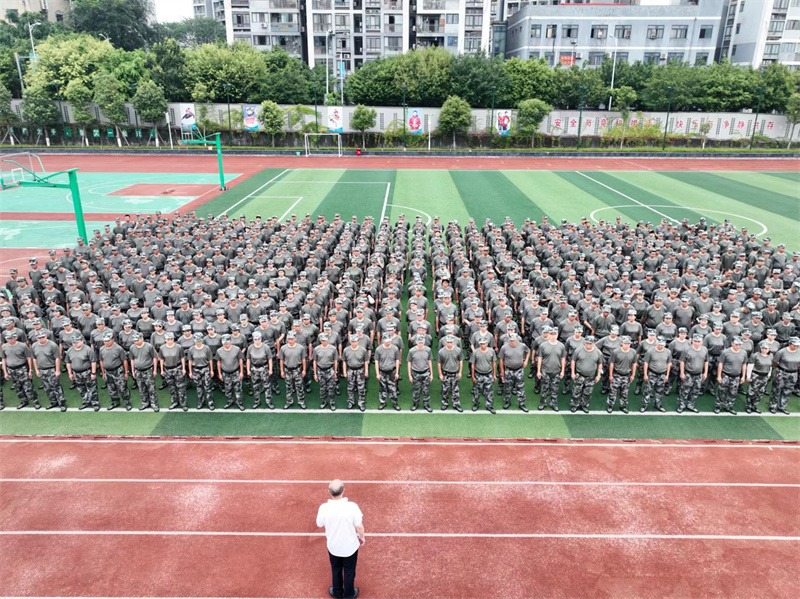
x=434, y=4
x=321, y=4
x=429, y=28
x=322, y=27
x=284, y=27
x=342, y=3
x=283, y=4
x=392, y=28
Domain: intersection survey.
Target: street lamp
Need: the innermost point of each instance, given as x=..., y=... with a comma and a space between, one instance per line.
x=491, y=120
x=404, y=114
x=327, y=63
x=132, y=87
x=574, y=43
x=227, y=87
x=613, y=69
x=31, y=27
x=58, y=97
x=580, y=114
x=760, y=89
x=666, y=124
x=316, y=115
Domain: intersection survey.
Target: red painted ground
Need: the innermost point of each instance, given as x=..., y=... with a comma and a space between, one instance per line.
x=414, y=567
x=164, y=189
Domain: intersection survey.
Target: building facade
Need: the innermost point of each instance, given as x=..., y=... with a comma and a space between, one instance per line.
x=761, y=32
x=54, y=10
x=584, y=34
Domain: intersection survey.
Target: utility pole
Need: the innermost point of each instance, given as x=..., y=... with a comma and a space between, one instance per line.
x=316, y=115
x=405, y=87
x=580, y=114
x=760, y=89
x=227, y=87
x=666, y=124
x=613, y=70
x=31, y=27
x=491, y=118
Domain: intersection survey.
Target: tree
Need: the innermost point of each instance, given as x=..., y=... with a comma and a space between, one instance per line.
x=624, y=98
x=7, y=116
x=203, y=107
x=149, y=102
x=38, y=108
x=455, y=117
x=241, y=66
x=363, y=119
x=194, y=32
x=287, y=81
x=526, y=79
x=109, y=97
x=166, y=62
x=530, y=115
x=271, y=118
x=79, y=96
x=427, y=75
x=69, y=58
x=779, y=84
x=474, y=76
x=705, y=128
x=793, y=114
x=125, y=23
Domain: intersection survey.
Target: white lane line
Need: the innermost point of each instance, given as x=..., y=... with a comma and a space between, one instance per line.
x=483, y=483
x=410, y=535
x=638, y=166
x=628, y=197
x=430, y=220
x=337, y=182
x=250, y=195
x=385, y=203
x=285, y=214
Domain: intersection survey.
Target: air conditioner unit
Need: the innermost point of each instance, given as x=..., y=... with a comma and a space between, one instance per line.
x=578, y=56
x=663, y=56
x=264, y=25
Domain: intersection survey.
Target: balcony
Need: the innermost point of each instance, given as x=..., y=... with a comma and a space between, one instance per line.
x=322, y=27
x=240, y=3
x=283, y=4
x=342, y=3
x=474, y=3
x=290, y=48
x=433, y=5
x=321, y=5
x=284, y=27
x=429, y=29
x=372, y=26
x=392, y=28
x=392, y=4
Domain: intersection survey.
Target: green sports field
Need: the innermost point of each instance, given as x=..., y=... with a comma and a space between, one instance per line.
x=766, y=202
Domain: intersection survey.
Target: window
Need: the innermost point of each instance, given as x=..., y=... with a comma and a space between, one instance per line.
x=788, y=48
x=655, y=32
x=342, y=21
x=451, y=18
x=741, y=6
x=733, y=50
x=393, y=23
x=622, y=32
x=701, y=59
x=675, y=57
x=706, y=31
x=652, y=57
x=772, y=50
x=59, y=16
x=622, y=57
x=780, y=5
x=260, y=40
x=792, y=25
x=679, y=32
x=371, y=22
x=738, y=27
x=536, y=31
x=599, y=32
x=373, y=44
x=552, y=31
x=393, y=44
x=776, y=27
x=472, y=44
x=728, y=31
x=596, y=58
x=569, y=31
x=533, y=55
x=259, y=17
x=452, y=41
x=473, y=21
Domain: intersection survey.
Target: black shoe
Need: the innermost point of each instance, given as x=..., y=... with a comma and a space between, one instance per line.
x=624, y=410
x=783, y=411
x=491, y=410
x=225, y=407
x=112, y=406
x=445, y=406
x=731, y=411
x=661, y=408
x=63, y=407
x=524, y=408
x=397, y=408
x=73, y=386
x=531, y=375
x=693, y=410
x=104, y=386
x=458, y=409
x=338, y=393
x=584, y=409
x=321, y=406
x=241, y=407
x=573, y=409
x=382, y=406
x=756, y=410
x=637, y=390
x=96, y=408
x=609, y=409
x=143, y=407
x=285, y=406
x=414, y=408
x=83, y=406
x=156, y=408
x=506, y=405
x=541, y=407
x=643, y=409
x=173, y=405
x=555, y=408
x=773, y=410
x=128, y=407
x=308, y=388
x=51, y=406
x=680, y=410
x=362, y=408
x=717, y=410
x=748, y=410
x=211, y=407
x=162, y=387
x=276, y=391
x=474, y=408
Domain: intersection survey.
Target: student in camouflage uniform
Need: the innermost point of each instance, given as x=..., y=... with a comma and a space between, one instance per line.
x=693, y=372
x=387, y=371
x=144, y=363
x=18, y=368
x=551, y=364
x=731, y=372
x=293, y=367
x=114, y=368
x=587, y=368
x=172, y=364
x=420, y=373
x=483, y=362
x=450, y=366
x=645, y=346
x=513, y=358
x=622, y=372
x=656, y=364
x=759, y=368
x=355, y=362
x=787, y=364
x=81, y=362
x=325, y=358
x=200, y=360
x=231, y=372
x=47, y=362
x=259, y=369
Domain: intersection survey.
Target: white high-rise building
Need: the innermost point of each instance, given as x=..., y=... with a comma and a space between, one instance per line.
x=760, y=32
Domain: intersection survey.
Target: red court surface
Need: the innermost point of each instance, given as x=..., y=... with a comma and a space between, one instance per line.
x=156, y=517
x=165, y=189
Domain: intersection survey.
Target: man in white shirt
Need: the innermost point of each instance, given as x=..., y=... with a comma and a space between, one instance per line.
x=345, y=532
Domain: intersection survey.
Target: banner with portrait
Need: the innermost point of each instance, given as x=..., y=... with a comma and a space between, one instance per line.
x=414, y=121
x=188, y=121
x=503, y=122
x=250, y=117
x=335, y=119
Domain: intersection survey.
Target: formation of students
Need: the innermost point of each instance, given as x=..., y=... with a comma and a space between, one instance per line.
x=230, y=305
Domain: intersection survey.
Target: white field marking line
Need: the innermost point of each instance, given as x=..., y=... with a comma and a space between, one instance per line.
x=413, y=210
x=422, y=443
x=285, y=214
x=639, y=165
x=410, y=535
x=337, y=182
x=643, y=205
x=504, y=483
x=23, y=257
x=250, y=195
x=764, y=228
x=385, y=202
x=435, y=413
x=146, y=597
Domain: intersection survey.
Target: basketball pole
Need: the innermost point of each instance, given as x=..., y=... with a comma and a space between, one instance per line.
x=222, y=185
x=75, y=192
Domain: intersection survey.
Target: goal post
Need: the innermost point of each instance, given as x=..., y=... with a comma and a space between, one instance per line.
x=312, y=144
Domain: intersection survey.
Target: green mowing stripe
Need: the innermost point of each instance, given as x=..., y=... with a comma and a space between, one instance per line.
x=782, y=205
x=762, y=181
x=287, y=196
x=264, y=424
x=490, y=194
x=427, y=193
x=223, y=202
x=459, y=425
x=71, y=423
x=554, y=195
x=787, y=428
x=307, y=174
x=359, y=194
x=789, y=175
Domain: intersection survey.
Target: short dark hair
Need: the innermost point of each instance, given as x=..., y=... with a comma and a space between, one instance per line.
x=336, y=492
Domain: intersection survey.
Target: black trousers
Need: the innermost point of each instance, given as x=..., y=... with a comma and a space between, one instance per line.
x=343, y=575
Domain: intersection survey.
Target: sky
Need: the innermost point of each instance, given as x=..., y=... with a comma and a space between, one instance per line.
x=169, y=11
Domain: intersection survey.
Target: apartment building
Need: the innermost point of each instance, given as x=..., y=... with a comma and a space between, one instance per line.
x=583, y=34
x=54, y=10
x=760, y=32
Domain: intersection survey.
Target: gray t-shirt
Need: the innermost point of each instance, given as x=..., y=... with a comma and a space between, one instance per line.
x=386, y=357
x=761, y=364
x=112, y=357
x=419, y=358
x=200, y=357
x=587, y=361
x=292, y=357
x=16, y=355
x=694, y=360
x=171, y=356
x=657, y=360
x=229, y=358
x=355, y=358
x=80, y=360
x=45, y=355
x=143, y=356
x=513, y=357
x=788, y=360
x=551, y=354
x=450, y=359
x=623, y=361
x=324, y=357
x=732, y=362
x=483, y=360
x=259, y=356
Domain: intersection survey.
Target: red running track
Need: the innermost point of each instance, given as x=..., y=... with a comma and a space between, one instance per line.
x=217, y=518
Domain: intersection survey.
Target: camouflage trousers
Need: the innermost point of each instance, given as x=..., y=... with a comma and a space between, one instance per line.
x=782, y=388
x=514, y=385
x=620, y=387
x=356, y=388
x=52, y=387
x=23, y=385
x=712, y=374
x=484, y=385
x=294, y=386
x=259, y=376
x=387, y=387
x=690, y=390
x=205, y=386
x=176, y=383
x=327, y=386
x=550, y=382
x=605, y=380
x=118, y=386
x=451, y=393
x=146, y=383
x=232, y=388
x=756, y=389
x=87, y=388
x=421, y=388
x=727, y=391
x=582, y=388
x=654, y=390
